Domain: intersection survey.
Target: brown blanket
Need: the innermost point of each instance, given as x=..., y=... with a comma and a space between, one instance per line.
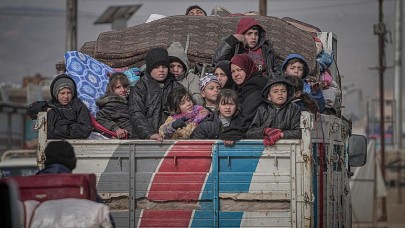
x=129, y=46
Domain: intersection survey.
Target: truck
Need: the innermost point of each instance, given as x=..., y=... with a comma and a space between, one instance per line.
x=203, y=183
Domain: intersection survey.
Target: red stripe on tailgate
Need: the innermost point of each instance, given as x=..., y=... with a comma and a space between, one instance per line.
x=180, y=176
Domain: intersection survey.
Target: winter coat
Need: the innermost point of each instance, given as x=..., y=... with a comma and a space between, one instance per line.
x=315, y=95
x=286, y=117
x=187, y=79
x=249, y=100
x=54, y=169
x=113, y=113
x=210, y=128
x=231, y=46
x=71, y=121
x=168, y=132
x=147, y=104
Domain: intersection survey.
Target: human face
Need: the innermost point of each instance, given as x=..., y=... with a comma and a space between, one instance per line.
x=176, y=68
x=226, y=109
x=296, y=69
x=196, y=12
x=65, y=96
x=159, y=73
x=222, y=78
x=277, y=94
x=251, y=37
x=120, y=90
x=186, y=105
x=210, y=93
x=238, y=75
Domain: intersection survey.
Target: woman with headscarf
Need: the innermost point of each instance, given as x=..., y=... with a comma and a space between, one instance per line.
x=223, y=72
x=249, y=83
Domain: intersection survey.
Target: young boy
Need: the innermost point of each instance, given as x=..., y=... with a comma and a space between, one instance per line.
x=277, y=118
x=147, y=98
x=250, y=38
x=295, y=65
x=68, y=117
x=179, y=67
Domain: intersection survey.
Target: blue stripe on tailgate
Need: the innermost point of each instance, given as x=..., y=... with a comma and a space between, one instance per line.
x=236, y=167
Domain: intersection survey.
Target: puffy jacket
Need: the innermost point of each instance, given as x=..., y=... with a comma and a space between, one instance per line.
x=249, y=100
x=147, y=104
x=71, y=121
x=231, y=46
x=113, y=113
x=187, y=79
x=210, y=128
x=286, y=118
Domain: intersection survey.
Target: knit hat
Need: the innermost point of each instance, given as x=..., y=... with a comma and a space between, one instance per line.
x=207, y=79
x=60, y=82
x=246, y=64
x=156, y=57
x=194, y=7
x=60, y=152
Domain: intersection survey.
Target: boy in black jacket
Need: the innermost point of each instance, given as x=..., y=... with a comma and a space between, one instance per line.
x=277, y=117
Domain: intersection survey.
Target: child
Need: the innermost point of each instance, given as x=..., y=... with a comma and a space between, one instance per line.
x=68, y=117
x=277, y=118
x=209, y=87
x=147, y=99
x=295, y=65
x=223, y=72
x=249, y=84
x=185, y=115
x=303, y=100
x=250, y=39
x=179, y=67
x=227, y=106
x=113, y=111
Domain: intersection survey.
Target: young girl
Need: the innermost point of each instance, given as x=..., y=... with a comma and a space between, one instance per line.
x=223, y=72
x=113, y=111
x=228, y=106
x=209, y=87
x=185, y=115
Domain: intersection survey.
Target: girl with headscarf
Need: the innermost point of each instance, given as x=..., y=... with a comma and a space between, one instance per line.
x=249, y=84
x=223, y=72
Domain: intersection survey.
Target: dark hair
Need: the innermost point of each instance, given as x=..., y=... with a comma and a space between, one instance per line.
x=60, y=152
x=175, y=97
x=117, y=77
x=296, y=82
x=294, y=60
x=194, y=7
x=227, y=96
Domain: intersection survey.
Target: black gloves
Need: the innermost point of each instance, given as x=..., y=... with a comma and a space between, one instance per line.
x=180, y=123
x=37, y=106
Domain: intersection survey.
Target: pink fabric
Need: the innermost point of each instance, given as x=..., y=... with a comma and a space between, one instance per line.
x=196, y=116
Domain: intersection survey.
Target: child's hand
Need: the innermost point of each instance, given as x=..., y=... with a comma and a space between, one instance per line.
x=156, y=137
x=204, y=112
x=180, y=123
x=121, y=133
x=240, y=37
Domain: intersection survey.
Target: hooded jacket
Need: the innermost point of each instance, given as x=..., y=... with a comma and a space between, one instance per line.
x=296, y=56
x=147, y=104
x=113, y=113
x=231, y=46
x=187, y=79
x=287, y=117
x=71, y=121
x=314, y=95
